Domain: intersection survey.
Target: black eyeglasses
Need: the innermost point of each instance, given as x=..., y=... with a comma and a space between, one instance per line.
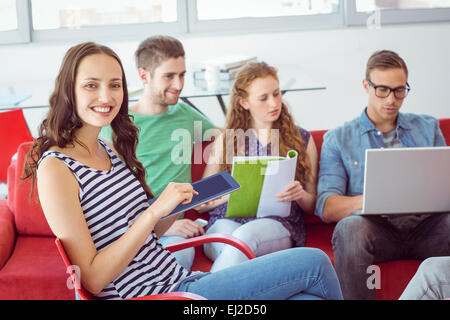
x=384, y=92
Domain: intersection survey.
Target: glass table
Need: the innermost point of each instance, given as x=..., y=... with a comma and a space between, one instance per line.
x=12, y=101
x=291, y=78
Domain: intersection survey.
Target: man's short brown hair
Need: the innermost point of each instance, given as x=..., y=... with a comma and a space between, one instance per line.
x=154, y=50
x=383, y=60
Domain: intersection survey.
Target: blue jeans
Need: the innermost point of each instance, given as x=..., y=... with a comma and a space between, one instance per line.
x=294, y=274
x=263, y=236
x=359, y=242
x=184, y=257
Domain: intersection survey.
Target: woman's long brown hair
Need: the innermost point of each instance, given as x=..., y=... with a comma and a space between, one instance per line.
x=62, y=121
x=239, y=118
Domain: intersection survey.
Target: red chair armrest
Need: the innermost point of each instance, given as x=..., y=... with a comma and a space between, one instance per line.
x=7, y=233
x=214, y=237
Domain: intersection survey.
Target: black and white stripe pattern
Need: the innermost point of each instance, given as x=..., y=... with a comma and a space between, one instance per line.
x=111, y=201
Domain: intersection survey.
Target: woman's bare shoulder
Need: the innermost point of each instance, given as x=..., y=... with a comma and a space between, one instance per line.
x=109, y=144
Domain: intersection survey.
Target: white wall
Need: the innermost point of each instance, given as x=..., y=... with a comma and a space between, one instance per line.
x=335, y=58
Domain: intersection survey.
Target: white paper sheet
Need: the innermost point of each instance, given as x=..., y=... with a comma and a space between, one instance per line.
x=278, y=175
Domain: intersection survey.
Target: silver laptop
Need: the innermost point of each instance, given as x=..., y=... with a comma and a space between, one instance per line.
x=406, y=181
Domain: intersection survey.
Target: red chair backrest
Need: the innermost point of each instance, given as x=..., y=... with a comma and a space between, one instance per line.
x=13, y=131
x=29, y=218
x=317, y=135
x=444, y=124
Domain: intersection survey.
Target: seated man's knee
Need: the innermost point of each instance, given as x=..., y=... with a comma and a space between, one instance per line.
x=352, y=229
x=350, y=226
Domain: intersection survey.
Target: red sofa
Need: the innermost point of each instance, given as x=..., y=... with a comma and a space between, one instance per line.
x=31, y=268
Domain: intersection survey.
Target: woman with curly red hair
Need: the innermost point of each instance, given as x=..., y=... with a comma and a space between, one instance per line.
x=259, y=124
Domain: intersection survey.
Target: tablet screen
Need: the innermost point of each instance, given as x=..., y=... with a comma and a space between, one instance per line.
x=209, y=188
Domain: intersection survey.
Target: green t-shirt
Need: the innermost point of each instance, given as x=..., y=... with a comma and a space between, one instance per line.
x=166, y=143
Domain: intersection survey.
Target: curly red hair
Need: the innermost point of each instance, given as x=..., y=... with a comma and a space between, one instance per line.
x=239, y=118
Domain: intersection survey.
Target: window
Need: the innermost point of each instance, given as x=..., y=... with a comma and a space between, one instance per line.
x=252, y=15
x=217, y=9
x=8, y=17
x=55, y=19
x=14, y=21
x=97, y=20
x=371, y=5
x=397, y=11
x=54, y=14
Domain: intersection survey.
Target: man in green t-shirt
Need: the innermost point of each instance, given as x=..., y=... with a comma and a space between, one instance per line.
x=167, y=128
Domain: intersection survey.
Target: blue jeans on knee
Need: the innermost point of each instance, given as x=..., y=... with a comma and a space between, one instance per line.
x=184, y=257
x=296, y=273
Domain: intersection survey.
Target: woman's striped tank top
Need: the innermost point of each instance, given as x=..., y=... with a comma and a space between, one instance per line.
x=111, y=201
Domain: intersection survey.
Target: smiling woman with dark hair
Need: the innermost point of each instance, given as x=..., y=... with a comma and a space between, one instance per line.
x=62, y=121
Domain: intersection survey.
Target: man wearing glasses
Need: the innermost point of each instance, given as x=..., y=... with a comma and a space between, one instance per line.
x=359, y=242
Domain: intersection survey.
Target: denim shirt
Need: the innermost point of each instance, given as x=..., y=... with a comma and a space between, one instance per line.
x=343, y=152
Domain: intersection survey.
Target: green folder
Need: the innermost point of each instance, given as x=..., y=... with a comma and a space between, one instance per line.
x=244, y=202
